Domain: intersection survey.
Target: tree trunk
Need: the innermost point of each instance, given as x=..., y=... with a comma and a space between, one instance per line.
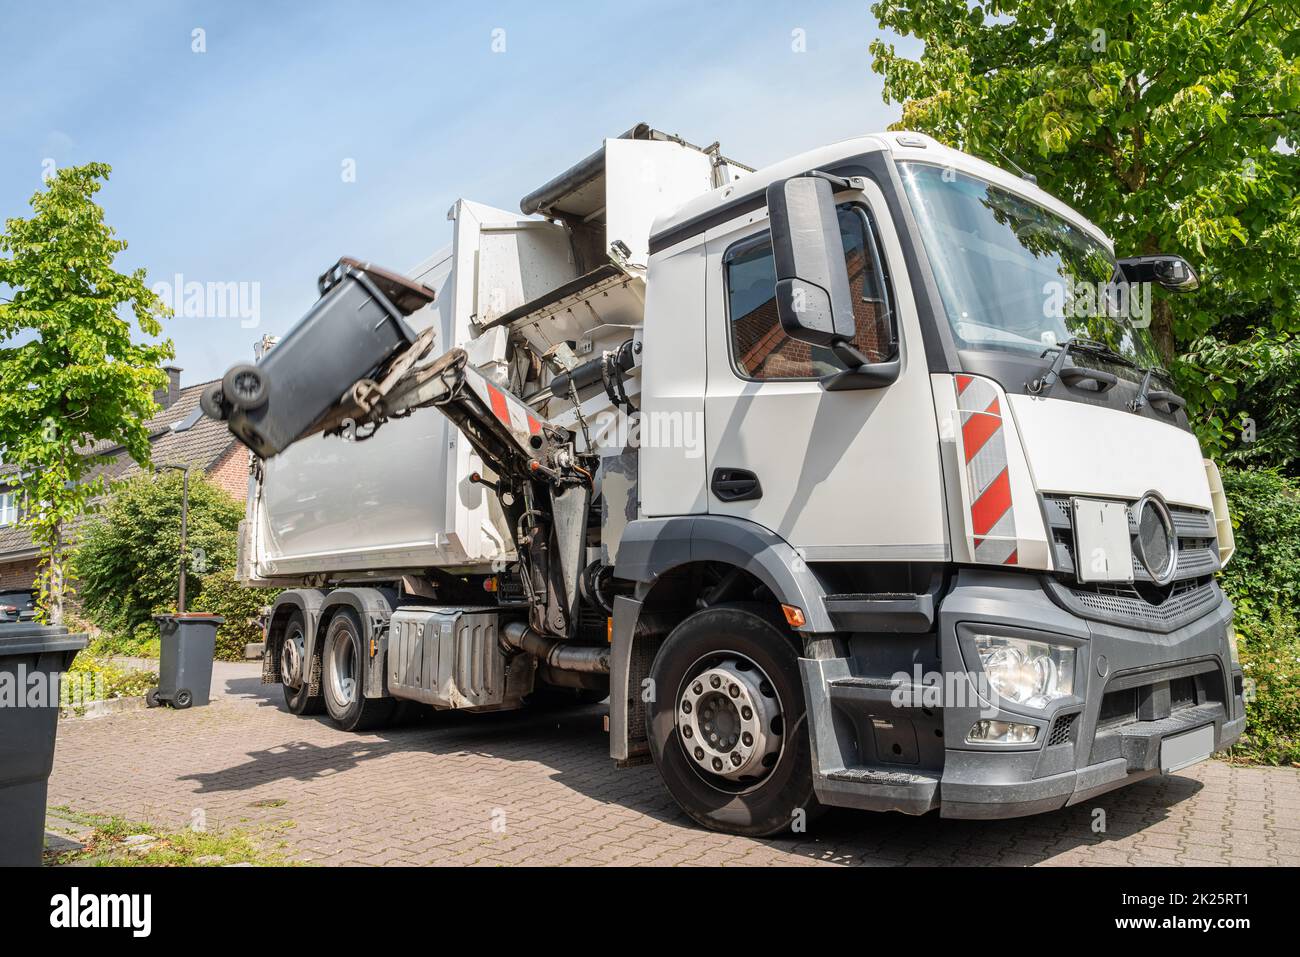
x=1162, y=330
x=55, y=585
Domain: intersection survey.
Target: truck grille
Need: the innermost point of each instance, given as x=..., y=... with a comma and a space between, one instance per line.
x=1141, y=603
x=1198, y=549
x=1062, y=729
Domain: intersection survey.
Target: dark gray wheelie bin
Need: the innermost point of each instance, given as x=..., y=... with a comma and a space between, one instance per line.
x=189, y=641
x=32, y=656
x=357, y=324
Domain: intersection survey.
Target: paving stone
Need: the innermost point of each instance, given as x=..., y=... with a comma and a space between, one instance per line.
x=457, y=789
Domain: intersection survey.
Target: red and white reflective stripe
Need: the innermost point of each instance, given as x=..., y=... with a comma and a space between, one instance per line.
x=513, y=414
x=992, y=520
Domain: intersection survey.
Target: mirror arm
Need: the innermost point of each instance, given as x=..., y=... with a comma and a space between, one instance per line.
x=861, y=373
x=839, y=182
x=874, y=375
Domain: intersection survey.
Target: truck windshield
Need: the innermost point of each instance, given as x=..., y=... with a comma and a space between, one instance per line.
x=1014, y=276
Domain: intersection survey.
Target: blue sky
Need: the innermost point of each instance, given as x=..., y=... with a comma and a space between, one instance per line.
x=228, y=164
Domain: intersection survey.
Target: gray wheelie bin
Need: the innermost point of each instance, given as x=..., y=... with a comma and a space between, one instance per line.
x=189, y=641
x=357, y=324
x=32, y=657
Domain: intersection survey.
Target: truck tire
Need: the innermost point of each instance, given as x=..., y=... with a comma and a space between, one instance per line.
x=727, y=728
x=343, y=677
x=297, y=688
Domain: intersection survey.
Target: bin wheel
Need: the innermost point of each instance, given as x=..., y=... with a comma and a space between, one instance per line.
x=183, y=699
x=244, y=386
x=151, y=698
x=212, y=401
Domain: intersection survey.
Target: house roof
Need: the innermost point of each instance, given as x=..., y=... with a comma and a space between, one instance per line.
x=201, y=446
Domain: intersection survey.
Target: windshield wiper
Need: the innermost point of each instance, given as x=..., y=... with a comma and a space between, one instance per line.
x=1076, y=373
x=1166, y=402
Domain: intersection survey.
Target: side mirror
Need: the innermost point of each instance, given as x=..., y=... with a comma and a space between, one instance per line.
x=1172, y=272
x=813, y=298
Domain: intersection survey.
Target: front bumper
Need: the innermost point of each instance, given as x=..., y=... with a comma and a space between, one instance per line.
x=877, y=745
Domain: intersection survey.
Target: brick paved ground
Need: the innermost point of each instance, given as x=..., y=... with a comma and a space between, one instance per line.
x=512, y=789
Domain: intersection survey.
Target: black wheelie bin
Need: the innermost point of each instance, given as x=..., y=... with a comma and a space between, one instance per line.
x=33, y=658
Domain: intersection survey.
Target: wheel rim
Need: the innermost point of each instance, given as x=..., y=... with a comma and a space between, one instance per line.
x=729, y=721
x=291, y=659
x=343, y=670
x=247, y=385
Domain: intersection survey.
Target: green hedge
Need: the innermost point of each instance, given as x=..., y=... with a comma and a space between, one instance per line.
x=1265, y=572
x=127, y=565
x=1270, y=658
x=224, y=596
x=1263, y=581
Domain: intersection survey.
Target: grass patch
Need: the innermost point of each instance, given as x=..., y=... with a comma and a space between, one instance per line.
x=111, y=841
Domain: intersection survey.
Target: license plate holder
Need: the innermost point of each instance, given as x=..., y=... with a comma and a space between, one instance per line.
x=1103, y=551
x=1181, y=750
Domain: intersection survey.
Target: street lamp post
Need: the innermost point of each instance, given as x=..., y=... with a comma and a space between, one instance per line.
x=185, y=517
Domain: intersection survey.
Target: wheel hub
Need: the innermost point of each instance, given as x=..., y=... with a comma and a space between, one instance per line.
x=342, y=673
x=291, y=656
x=729, y=720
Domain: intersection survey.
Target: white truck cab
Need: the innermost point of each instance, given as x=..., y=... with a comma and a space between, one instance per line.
x=910, y=519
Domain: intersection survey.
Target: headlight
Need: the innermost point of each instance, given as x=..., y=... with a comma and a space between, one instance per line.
x=1024, y=672
x=1232, y=644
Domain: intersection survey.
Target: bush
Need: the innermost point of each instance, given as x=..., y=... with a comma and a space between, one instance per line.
x=143, y=642
x=91, y=672
x=1270, y=658
x=1265, y=572
x=240, y=606
x=127, y=562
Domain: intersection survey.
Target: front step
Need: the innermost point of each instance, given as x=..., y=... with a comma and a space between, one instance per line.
x=891, y=612
x=880, y=788
x=875, y=744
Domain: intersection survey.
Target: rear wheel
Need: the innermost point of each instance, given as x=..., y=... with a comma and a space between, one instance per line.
x=727, y=728
x=295, y=670
x=344, y=667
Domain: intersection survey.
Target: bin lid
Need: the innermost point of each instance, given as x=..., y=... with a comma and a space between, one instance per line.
x=190, y=616
x=29, y=637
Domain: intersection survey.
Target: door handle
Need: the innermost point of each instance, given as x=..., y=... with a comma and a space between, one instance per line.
x=735, y=485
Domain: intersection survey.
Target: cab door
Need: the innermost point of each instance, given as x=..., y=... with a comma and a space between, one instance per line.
x=845, y=475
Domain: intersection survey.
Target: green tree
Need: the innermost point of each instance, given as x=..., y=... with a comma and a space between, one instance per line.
x=127, y=563
x=1161, y=120
x=70, y=374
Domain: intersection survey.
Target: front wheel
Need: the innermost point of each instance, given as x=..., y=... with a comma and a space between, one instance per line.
x=344, y=665
x=727, y=728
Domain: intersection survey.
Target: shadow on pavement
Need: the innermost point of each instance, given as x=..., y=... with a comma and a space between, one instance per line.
x=573, y=745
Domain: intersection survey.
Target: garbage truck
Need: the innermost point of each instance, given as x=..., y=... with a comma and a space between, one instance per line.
x=857, y=481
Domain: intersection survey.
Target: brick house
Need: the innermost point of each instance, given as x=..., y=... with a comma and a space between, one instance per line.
x=179, y=434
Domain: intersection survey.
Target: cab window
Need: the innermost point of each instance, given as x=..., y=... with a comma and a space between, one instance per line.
x=759, y=346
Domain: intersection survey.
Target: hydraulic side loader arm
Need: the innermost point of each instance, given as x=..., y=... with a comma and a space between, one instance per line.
x=543, y=484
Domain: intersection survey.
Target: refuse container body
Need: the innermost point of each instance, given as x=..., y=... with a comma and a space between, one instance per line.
x=32, y=657
x=185, y=658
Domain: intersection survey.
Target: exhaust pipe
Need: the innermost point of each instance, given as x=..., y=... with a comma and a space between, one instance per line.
x=588, y=659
